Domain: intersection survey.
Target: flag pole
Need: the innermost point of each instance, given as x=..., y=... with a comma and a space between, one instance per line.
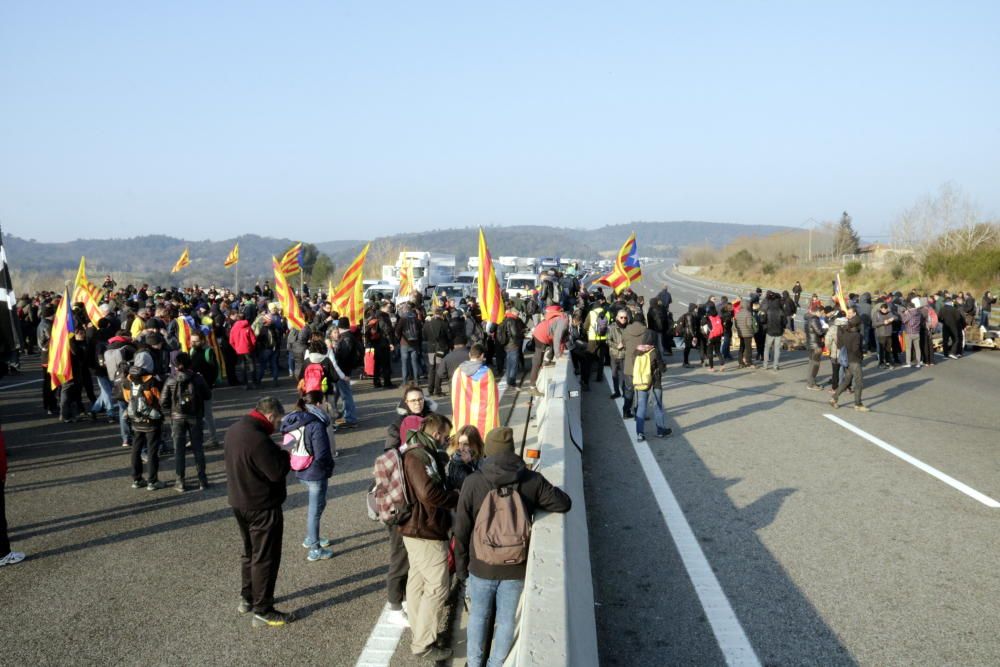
x=237, y=290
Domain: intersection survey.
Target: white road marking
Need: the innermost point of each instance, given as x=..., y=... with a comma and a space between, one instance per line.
x=20, y=384
x=382, y=642
x=930, y=470
x=733, y=642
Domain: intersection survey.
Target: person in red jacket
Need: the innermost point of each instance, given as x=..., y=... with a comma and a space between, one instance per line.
x=8, y=557
x=243, y=341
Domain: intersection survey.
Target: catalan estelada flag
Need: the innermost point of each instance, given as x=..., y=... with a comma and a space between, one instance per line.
x=185, y=324
x=490, y=300
x=291, y=262
x=233, y=257
x=475, y=400
x=348, y=299
x=87, y=293
x=60, y=366
x=184, y=260
x=286, y=297
x=627, y=269
x=405, y=276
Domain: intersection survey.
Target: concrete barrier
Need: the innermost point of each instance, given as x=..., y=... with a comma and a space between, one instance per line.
x=557, y=611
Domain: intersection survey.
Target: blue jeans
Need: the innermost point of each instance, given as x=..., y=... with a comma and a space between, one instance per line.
x=512, y=366
x=104, y=400
x=641, y=404
x=483, y=593
x=267, y=358
x=346, y=393
x=291, y=363
x=628, y=394
x=123, y=425
x=317, y=503
x=410, y=362
x=727, y=340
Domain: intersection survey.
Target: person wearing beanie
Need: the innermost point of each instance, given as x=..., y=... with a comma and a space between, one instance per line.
x=488, y=584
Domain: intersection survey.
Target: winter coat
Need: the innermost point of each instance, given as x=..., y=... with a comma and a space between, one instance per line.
x=242, y=338
x=634, y=335
x=425, y=485
x=329, y=372
x=500, y=470
x=832, y=339
x=849, y=337
x=951, y=319
x=776, y=320
x=511, y=333
x=657, y=319
x=316, y=421
x=255, y=466
x=864, y=309
x=883, y=323
x=438, y=336
x=298, y=341
x=400, y=331
x=814, y=333
x=458, y=471
x=744, y=322
x=204, y=363
x=170, y=401
x=393, y=438
x=616, y=338
x=912, y=321
x=452, y=361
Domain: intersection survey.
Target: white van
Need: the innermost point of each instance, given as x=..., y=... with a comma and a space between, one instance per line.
x=520, y=284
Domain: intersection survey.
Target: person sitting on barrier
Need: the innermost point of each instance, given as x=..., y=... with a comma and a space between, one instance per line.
x=495, y=575
x=465, y=452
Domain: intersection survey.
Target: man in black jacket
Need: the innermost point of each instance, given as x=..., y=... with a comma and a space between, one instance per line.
x=814, y=344
x=184, y=397
x=437, y=334
x=487, y=583
x=849, y=338
x=255, y=470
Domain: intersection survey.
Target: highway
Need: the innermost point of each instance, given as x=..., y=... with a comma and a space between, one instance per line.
x=826, y=547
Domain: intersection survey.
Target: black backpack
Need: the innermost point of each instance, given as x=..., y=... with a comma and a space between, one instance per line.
x=186, y=401
x=411, y=329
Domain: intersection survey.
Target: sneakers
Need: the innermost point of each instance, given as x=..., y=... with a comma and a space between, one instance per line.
x=126, y=444
x=273, y=618
x=862, y=408
x=833, y=403
x=322, y=544
x=814, y=387
x=664, y=433
x=12, y=558
x=319, y=554
x=203, y=484
x=245, y=606
x=536, y=393
x=640, y=437
x=154, y=486
x=615, y=395
x=138, y=484
x=398, y=617
x=435, y=654
x=179, y=486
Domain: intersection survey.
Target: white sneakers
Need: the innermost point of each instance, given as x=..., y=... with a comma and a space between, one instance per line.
x=12, y=558
x=398, y=617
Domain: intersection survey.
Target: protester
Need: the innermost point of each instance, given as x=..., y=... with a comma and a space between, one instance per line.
x=775, y=322
x=437, y=335
x=243, y=342
x=849, y=339
x=647, y=375
x=256, y=469
x=184, y=397
x=814, y=345
x=7, y=555
x=744, y=323
x=616, y=348
x=141, y=392
x=205, y=364
x=465, y=453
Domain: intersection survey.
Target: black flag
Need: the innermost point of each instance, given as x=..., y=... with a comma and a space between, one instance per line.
x=10, y=326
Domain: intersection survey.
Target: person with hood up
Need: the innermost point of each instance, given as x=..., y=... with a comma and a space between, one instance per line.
x=715, y=333
x=689, y=331
x=490, y=585
x=634, y=335
x=849, y=339
x=184, y=396
x=310, y=416
x=474, y=396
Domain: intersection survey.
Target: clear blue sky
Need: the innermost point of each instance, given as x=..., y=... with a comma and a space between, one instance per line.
x=352, y=120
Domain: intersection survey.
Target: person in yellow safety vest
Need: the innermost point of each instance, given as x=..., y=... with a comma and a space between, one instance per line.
x=599, y=320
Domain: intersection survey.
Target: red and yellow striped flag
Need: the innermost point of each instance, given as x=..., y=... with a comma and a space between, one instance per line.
x=627, y=269
x=60, y=367
x=184, y=260
x=286, y=297
x=838, y=295
x=475, y=400
x=87, y=293
x=233, y=257
x=405, y=276
x=291, y=262
x=184, y=333
x=348, y=299
x=490, y=300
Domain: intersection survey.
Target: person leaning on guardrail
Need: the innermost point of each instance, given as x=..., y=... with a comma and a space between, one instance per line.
x=488, y=581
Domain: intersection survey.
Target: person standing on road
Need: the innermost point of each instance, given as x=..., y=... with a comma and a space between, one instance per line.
x=797, y=292
x=654, y=388
x=425, y=535
x=986, y=307
x=204, y=363
x=184, y=397
x=437, y=335
x=760, y=334
x=255, y=471
x=775, y=322
x=7, y=556
x=689, y=330
x=913, y=322
x=490, y=583
x=849, y=339
x=141, y=392
x=814, y=345
x=616, y=348
x=743, y=324
x=715, y=334
x=510, y=336
x=634, y=335
x=882, y=321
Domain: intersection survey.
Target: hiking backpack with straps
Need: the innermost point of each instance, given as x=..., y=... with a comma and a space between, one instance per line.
x=143, y=403
x=503, y=528
x=387, y=499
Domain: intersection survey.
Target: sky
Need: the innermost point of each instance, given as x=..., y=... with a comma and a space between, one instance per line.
x=347, y=120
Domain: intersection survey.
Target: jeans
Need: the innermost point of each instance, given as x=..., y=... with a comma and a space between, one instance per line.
x=641, y=405
x=123, y=426
x=317, y=503
x=103, y=401
x=268, y=359
x=772, y=349
x=210, y=422
x=248, y=362
x=184, y=428
x=727, y=341
x=483, y=593
x=408, y=360
x=628, y=393
x=512, y=366
x=291, y=364
x=347, y=393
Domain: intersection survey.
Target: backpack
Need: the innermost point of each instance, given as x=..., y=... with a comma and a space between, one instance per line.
x=300, y=452
x=266, y=337
x=143, y=405
x=503, y=334
x=475, y=331
x=602, y=324
x=705, y=329
x=932, y=319
x=118, y=378
x=372, y=332
x=387, y=499
x=503, y=528
x=185, y=396
x=313, y=378
x=642, y=372
x=411, y=329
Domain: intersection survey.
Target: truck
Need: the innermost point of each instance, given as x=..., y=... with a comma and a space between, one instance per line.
x=508, y=263
x=520, y=284
x=546, y=263
x=377, y=290
x=429, y=268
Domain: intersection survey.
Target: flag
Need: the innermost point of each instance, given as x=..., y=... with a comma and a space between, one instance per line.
x=10, y=326
x=475, y=400
x=87, y=293
x=185, y=325
x=291, y=262
x=348, y=299
x=286, y=297
x=838, y=295
x=183, y=261
x=405, y=276
x=490, y=300
x=233, y=257
x=627, y=269
x=60, y=366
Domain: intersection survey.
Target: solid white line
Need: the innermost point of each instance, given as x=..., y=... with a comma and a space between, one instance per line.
x=20, y=384
x=733, y=642
x=930, y=470
x=382, y=642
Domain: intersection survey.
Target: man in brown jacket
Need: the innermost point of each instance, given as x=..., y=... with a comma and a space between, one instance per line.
x=425, y=535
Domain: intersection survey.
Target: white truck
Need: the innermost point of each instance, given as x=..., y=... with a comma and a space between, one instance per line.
x=429, y=268
x=520, y=284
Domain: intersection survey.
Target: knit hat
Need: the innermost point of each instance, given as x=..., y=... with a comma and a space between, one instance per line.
x=499, y=441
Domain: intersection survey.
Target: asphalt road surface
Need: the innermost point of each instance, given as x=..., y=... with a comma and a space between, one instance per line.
x=122, y=576
x=828, y=548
